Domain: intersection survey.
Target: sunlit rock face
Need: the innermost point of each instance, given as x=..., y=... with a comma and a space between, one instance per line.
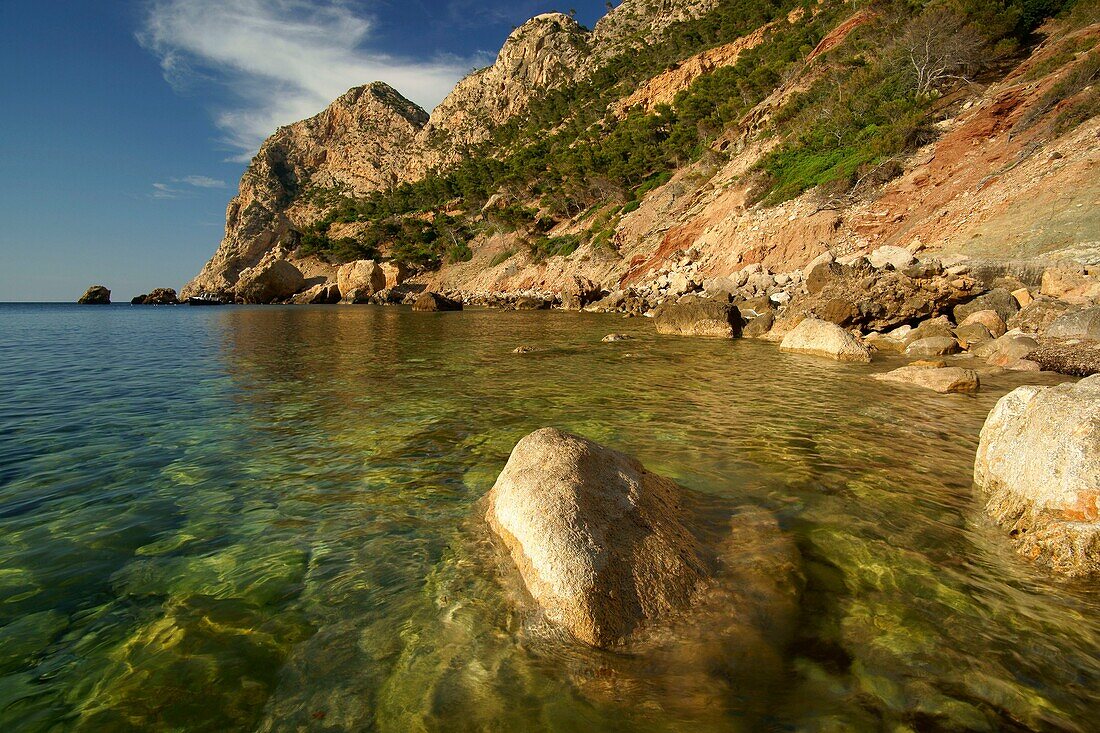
x=354, y=146
x=1039, y=461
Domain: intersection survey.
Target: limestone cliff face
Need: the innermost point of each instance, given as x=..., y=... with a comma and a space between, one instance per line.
x=372, y=137
x=357, y=144
x=543, y=53
x=636, y=22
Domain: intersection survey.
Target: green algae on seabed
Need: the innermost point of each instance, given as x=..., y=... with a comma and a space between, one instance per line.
x=265, y=518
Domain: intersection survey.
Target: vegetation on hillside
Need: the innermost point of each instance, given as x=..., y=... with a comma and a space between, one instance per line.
x=871, y=104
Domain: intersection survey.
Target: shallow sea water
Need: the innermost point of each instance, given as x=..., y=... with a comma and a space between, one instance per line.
x=265, y=518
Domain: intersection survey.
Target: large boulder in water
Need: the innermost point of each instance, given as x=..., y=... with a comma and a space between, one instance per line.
x=821, y=338
x=600, y=541
x=1039, y=460
x=95, y=295
x=272, y=279
x=699, y=317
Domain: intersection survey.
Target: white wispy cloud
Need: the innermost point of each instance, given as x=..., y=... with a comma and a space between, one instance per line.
x=172, y=190
x=200, y=181
x=164, y=191
x=277, y=61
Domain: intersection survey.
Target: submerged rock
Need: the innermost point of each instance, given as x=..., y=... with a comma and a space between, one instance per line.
x=821, y=338
x=699, y=317
x=95, y=295
x=432, y=301
x=942, y=379
x=600, y=541
x=1039, y=460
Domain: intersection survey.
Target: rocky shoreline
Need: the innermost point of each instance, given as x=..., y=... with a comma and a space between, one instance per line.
x=956, y=321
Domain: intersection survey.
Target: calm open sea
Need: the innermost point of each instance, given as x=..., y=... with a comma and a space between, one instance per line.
x=263, y=518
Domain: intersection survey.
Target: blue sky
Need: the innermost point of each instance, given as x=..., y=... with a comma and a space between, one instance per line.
x=125, y=125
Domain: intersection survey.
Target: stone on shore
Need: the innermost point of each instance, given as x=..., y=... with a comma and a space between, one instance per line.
x=359, y=280
x=1083, y=324
x=988, y=318
x=699, y=317
x=942, y=379
x=578, y=292
x=271, y=279
x=999, y=299
x=530, y=303
x=895, y=257
x=1037, y=315
x=432, y=301
x=95, y=295
x=321, y=294
x=821, y=338
x=972, y=334
x=1070, y=284
x=1039, y=461
x=602, y=544
x=759, y=326
x=395, y=273
x=933, y=346
x=1075, y=357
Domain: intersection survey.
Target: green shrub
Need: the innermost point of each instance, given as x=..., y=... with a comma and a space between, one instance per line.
x=502, y=257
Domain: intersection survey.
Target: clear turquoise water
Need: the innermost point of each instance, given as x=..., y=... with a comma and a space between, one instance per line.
x=264, y=519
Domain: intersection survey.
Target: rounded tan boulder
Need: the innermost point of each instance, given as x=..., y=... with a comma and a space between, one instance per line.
x=1038, y=460
x=988, y=318
x=600, y=542
x=821, y=338
x=270, y=280
x=359, y=280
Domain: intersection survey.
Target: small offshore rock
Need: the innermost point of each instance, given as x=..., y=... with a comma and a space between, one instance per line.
x=614, y=337
x=1038, y=460
x=523, y=350
x=821, y=338
x=95, y=295
x=433, y=301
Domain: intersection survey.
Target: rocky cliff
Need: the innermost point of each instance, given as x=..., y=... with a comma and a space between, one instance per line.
x=1000, y=176
x=372, y=137
x=358, y=144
